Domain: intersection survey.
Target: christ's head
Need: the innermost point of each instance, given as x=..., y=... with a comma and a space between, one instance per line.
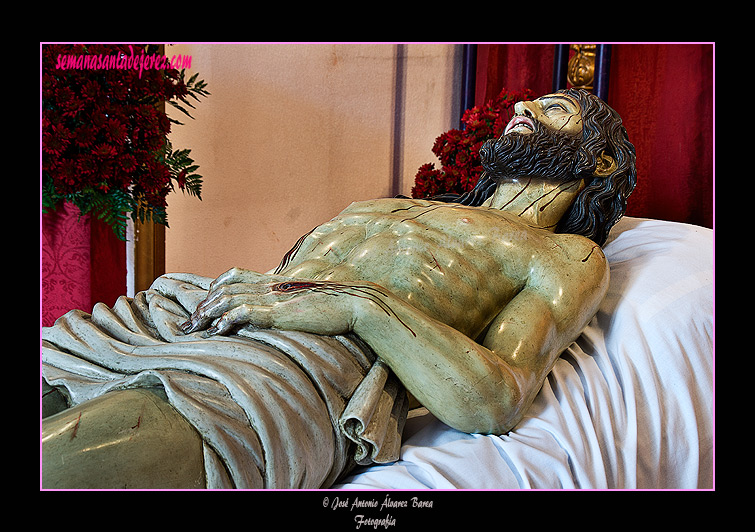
x=567, y=136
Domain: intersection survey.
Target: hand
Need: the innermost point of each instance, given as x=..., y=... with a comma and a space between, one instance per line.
x=241, y=297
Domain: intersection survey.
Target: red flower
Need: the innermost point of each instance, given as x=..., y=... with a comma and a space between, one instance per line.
x=67, y=172
x=115, y=130
x=181, y=179
x=91, y=90
x=84, y=136
x=104, y=151
x=127, y=163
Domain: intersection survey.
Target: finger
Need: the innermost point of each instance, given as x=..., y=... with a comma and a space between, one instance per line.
x=231, y=290
x=223, y=299
x=239, y=275
x=213, y=307
x=226, y=292
x=255, y=315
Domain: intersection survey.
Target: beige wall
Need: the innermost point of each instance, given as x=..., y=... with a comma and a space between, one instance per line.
x=293, y=133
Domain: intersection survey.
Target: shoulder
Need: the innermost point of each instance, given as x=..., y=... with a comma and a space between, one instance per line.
x=579, y=251
x=385, y=205
x=574, y=271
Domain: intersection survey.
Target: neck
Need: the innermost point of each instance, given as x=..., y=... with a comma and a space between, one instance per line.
x=539, y=202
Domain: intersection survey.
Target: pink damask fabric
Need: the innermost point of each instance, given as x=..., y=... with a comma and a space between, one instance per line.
x=83, y=263
x=66, y=263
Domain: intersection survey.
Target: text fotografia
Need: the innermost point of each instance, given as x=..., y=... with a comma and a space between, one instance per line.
x=359, y=505
x=140, y=61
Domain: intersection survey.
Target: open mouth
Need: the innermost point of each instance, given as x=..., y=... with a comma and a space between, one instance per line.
x=520, y=124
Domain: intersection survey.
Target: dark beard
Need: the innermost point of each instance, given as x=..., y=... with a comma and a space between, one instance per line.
x=543, y=153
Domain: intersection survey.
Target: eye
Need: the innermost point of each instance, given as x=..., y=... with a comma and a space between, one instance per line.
x=556, y=107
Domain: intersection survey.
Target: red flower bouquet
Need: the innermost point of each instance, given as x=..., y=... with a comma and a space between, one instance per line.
x=458, y=150
x=104, y=131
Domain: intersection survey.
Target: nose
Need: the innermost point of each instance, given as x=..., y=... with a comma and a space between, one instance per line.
x=525, y=108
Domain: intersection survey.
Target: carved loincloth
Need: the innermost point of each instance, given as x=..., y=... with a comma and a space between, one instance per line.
x=275, y=409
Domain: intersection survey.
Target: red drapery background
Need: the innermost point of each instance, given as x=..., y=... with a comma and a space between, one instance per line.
x=664, y=94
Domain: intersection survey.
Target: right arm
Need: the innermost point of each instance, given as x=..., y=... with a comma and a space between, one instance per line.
x=475, y=388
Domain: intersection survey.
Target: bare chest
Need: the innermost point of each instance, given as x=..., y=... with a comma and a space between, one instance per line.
x=457, y=264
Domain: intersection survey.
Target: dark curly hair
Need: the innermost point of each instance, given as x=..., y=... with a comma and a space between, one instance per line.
x=603, y=201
